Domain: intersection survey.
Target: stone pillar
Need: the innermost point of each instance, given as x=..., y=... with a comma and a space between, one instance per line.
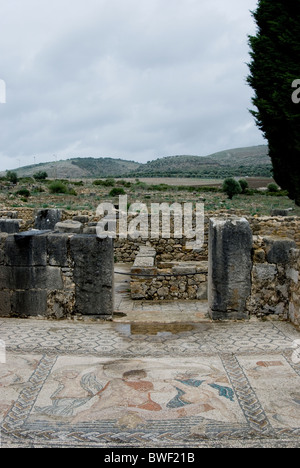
x=10, y=226
x=47, y=219
x=93, y=275
x=230, y=265
x=56, y=275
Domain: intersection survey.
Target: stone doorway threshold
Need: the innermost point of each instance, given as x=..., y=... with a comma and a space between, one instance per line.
x=127, y=310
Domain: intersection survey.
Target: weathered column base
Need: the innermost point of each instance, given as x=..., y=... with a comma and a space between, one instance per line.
x=229, y=268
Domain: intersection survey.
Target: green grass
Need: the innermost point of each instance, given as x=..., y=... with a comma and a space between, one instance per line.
x=255, y=203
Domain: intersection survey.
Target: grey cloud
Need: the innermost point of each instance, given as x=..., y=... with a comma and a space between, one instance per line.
x=134, y=79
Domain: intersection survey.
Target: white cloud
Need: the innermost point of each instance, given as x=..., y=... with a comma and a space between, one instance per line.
x=133, y=79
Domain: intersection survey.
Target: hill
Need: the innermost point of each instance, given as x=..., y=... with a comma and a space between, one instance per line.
x=252, y=161
x=82, y=168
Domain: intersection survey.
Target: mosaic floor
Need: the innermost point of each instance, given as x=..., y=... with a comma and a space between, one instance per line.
x=67, y=384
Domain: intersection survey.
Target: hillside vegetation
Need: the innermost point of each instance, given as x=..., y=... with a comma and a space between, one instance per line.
x=242, y=162
x=253, y=161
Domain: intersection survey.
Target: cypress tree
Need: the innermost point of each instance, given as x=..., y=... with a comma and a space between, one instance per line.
x=274, y=69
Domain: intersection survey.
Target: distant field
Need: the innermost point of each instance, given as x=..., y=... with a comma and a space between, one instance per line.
x=179, y=181
x=257, y=182
x=254, y=182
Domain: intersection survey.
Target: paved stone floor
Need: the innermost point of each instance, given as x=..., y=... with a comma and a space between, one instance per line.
x=168, y=383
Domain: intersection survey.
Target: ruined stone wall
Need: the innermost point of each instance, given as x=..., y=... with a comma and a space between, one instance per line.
x=293, y=273
x=55, y=275
x=155, y=280
x=275, y=279
x=167, y=249
x=247, y=275
x=174, y=249
x=276, y=226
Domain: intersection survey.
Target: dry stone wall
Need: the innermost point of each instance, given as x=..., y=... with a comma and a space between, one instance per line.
x=275, y=279
x=175, y=249
x=293, y=274
x=154, y=280
x=276, y=226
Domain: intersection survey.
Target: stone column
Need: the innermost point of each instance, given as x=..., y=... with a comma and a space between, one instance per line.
x=47, y=219
x=230, y=265
x=93, y=275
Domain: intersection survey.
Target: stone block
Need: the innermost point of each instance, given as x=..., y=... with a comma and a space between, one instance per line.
x=81, y=219
x=259, y=256
x=184, y=270
x=10, y=226
x=98, y=304
x=5, y=277
x=93, y=274
x=138, y=290
x=57, y=249
x=202, y=266
x=163, y=292
x=90, y=230
x=94, y=258
x=202, y=292
x=31, y=278
x=278, y=249
x=3, y=237
x=281, y=212
x=27, y=249
x=147, y=252
x=72, y=227
x=47, y=219
x=5, y=304
x=293, y=275
x=144, y=262
x=264, y=272
x=140, y=271
x=29, y=303
x=9, y=214
x=230, y=265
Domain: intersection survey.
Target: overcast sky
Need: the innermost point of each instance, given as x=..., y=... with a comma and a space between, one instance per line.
x=132, y=79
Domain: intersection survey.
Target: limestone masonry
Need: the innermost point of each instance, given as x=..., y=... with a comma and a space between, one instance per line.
x=55, y=275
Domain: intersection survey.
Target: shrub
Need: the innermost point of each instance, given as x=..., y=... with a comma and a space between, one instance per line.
x=273, y=188
x=38, y=190
x=124, y=183
x=41, y=175
x=58, y=187
x=71, y=191
x=105, y=183
x=23, y=192
x=109, y=183
x=231, y=187
x=116, y=191
x=12, y=177
x=249, y=192
x=244, y=185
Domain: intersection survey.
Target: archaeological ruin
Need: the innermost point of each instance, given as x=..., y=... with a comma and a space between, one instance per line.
x=54, y=265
